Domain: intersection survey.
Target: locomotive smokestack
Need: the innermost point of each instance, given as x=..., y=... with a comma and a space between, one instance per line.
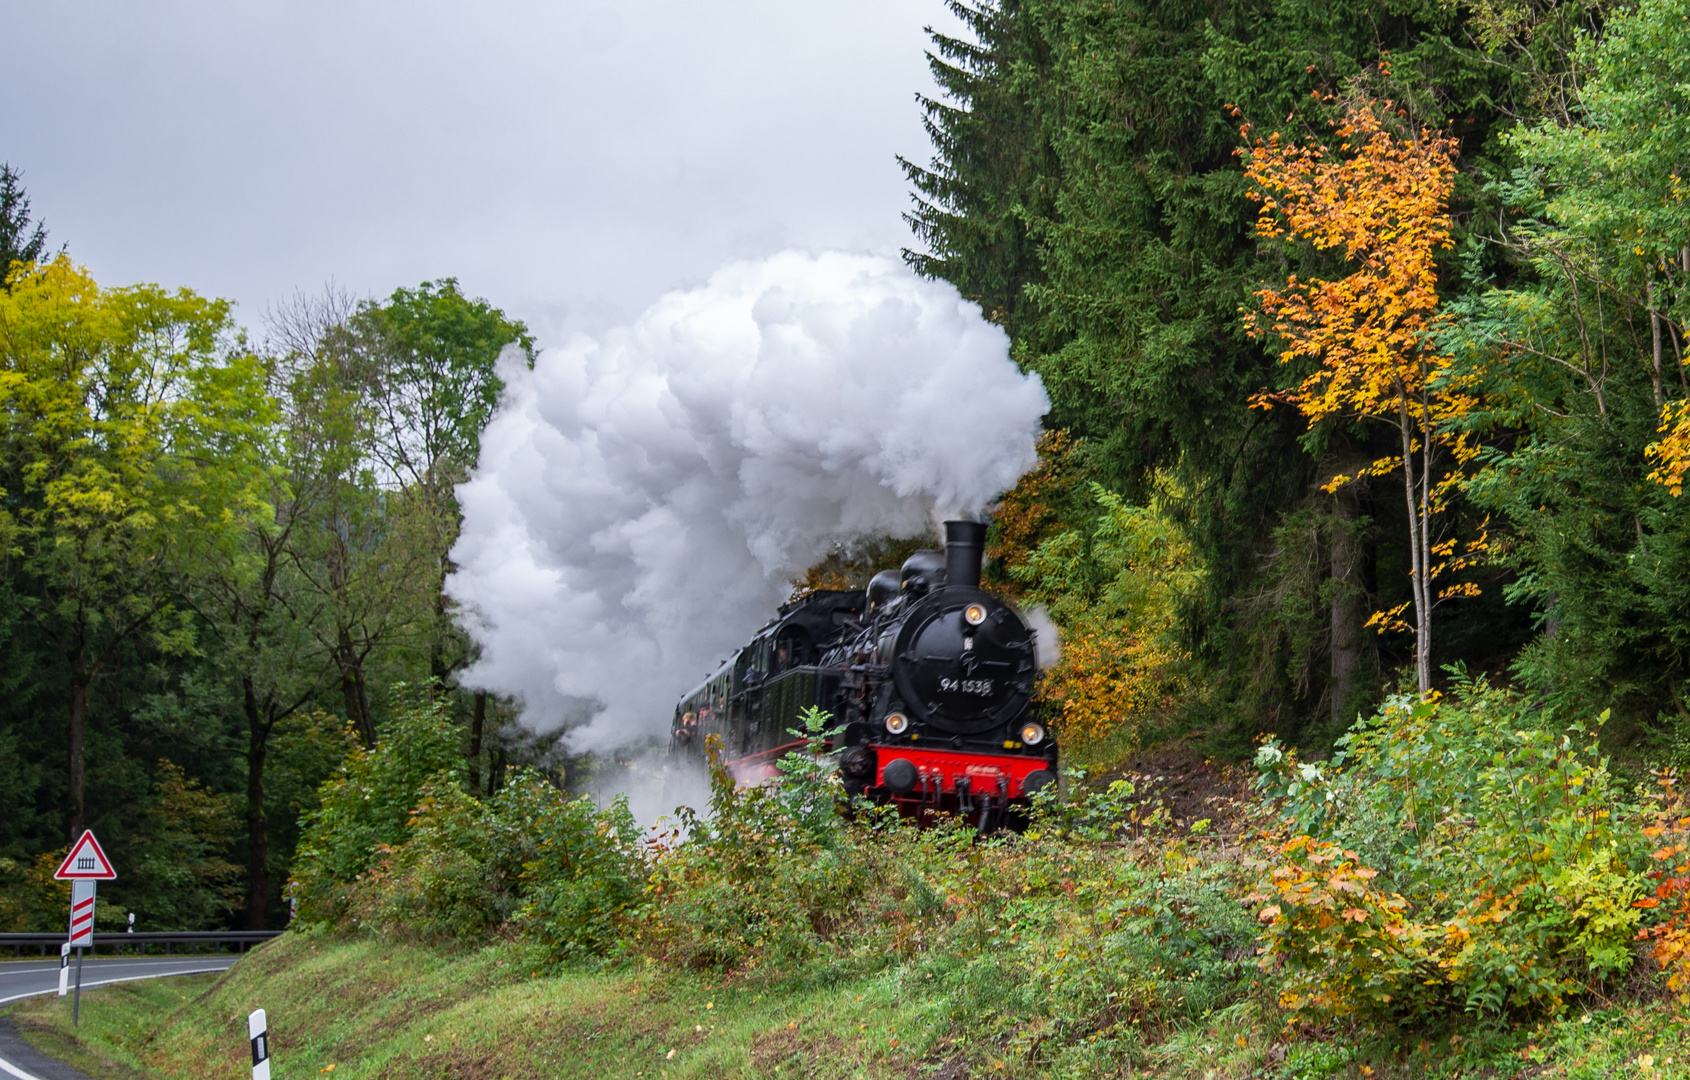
x=965, y=546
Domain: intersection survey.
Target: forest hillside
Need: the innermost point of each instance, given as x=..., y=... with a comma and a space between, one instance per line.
x=1359, y=508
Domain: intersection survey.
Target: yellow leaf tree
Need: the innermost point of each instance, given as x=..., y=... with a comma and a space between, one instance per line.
x=1671, y=454
x=1380, y=202
x=130, y=422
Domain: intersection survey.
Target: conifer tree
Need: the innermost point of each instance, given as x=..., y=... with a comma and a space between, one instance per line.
x=20, y=241
x=974, y=205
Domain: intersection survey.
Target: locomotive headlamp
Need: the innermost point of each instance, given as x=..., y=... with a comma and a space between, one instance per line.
x=897, y=723
x=975, y=614
x=1032, y=734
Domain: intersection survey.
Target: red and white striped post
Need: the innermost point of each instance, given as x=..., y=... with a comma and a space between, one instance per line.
x=81, y=935
x=84, y=865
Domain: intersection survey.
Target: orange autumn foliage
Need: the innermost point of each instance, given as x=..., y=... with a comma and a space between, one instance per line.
x=1030, y=512
x=1110, y=676
x=1383, y=207
x=1672, y=453
x=1380, y=202
x=1671, y=936
x=1111, y=576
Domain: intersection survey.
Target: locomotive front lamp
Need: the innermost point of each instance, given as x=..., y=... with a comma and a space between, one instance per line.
x=1032, y=734
x=975, y=614
x=897, y=723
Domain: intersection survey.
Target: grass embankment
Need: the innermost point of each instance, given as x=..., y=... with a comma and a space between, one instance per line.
x=362, y=1009
x=358, y=1009
x=1469, y=892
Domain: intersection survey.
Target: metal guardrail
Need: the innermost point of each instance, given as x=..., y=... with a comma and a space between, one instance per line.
x=188, y=942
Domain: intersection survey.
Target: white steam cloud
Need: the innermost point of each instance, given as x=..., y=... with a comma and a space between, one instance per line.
x=1047, y=638
x=642, y=501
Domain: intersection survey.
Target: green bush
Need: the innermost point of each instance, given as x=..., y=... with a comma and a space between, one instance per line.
x=31, y=901
x=583, y=871
x=771, y=876
x=179, y=879
x=435, y=886
x=397, y=847
x=1454, y=854
x=1112, y=940
x=565, y=876
x=365, y=809
x=1072, y=810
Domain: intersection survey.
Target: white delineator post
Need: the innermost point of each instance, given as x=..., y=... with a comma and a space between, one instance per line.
x=64, y=968
x=258, y=1031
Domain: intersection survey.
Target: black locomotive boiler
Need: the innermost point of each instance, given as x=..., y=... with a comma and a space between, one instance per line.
x=930, y=675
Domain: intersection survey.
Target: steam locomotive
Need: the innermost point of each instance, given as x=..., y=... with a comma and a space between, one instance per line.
x=930, y=675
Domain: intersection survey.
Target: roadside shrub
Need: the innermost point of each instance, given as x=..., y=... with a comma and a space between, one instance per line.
x=773, y=877
x=582, y=873
x=1454, y=854
x=365, y=809
x=562, y=874
x=31, y=900
x=181, y=881
x=1669, y=901
x=435, y=886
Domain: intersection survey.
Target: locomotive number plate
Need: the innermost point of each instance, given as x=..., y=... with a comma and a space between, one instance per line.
x=978, y=687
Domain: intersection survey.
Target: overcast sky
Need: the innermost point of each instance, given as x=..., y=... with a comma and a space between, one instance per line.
x=568, y=160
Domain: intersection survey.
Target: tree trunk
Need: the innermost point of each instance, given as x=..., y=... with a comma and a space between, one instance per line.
x=438, y=668
x=353, y=689
x=1424, y=644
x=1417, y=559
x=75, y=816
x=1347, y=605
x=257, y=832
x=477, y=723
x=1672, y=332
x=1655, y=333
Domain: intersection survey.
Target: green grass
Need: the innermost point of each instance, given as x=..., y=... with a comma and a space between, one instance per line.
x=360, y=1009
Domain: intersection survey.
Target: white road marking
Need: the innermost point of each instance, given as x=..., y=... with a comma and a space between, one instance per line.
x=9, y=1068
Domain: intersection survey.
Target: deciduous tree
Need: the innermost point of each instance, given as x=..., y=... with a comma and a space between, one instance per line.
x=431, y=353
x=131, y=421
x=1379, y=202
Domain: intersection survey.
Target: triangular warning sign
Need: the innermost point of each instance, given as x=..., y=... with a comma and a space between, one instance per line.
x=86, y=862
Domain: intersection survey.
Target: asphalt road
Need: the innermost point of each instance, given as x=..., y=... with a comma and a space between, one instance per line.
x=27, y=978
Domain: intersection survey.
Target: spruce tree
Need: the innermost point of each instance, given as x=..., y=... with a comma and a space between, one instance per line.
x=19, y=242
x=991, y=168
x=1086, y=189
